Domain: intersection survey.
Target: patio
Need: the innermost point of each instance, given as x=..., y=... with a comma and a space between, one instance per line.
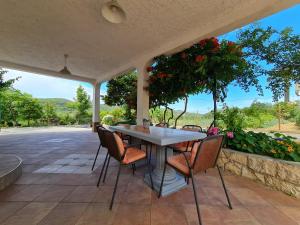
x=57, y=187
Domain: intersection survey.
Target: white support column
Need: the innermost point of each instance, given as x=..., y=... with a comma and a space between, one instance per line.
x=142, y=95
x=96, y=105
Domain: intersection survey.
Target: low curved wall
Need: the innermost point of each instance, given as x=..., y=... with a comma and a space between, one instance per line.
x=10, y=170
x=278, y=174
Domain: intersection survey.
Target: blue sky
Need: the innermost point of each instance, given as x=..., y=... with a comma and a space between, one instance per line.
x=50, y=87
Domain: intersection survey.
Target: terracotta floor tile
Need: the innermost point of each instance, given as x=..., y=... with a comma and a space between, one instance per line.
x=10, y=208
x=248, y=197
x=184, y=196
x=269, y=215
x=29, y=178
x=30, y=214
x=82, y=194
x=10, y=191
x=104, y=194
x=276, y=198
x=292, y=212
x=64, y=214
x=138, y=193
x=168, y=215
x=95, y=214
x=59, y=199
x=216, y=196
x=55, y=193
x=131, y=214
x=28, y=193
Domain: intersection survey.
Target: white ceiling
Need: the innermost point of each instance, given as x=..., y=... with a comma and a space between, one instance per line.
x=34, y=34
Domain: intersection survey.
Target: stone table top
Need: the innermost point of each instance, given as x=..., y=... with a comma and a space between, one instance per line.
x=158, y=135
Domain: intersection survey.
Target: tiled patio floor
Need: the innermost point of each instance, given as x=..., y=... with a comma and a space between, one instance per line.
x=70, y=196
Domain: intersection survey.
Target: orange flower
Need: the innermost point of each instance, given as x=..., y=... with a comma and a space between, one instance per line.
x=202, y=43
x=200, y=58
x=215, y=42
x=162, y=75
x=149, y=68
x=231, y=44
x=183, y=55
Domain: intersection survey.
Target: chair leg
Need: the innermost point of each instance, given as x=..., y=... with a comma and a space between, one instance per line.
x=162, y=180
x=133, y=168
x=96, y=157
x=102, y=170
x=150, y=155
x=106, y=169
x=224, y=187
x=196, y=197
x=149, y=171
x=115, y=188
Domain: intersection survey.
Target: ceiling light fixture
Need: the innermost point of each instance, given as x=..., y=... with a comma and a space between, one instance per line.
x=65, y=70
x=113, y=12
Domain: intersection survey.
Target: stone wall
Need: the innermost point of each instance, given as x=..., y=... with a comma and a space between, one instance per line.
x=278, y=174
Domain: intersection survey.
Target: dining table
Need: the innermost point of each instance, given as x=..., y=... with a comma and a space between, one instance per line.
x=162, y=138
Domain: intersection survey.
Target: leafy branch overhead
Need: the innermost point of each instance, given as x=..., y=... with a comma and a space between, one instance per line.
x=122, y=91
x=208, y=66
x=275, y=54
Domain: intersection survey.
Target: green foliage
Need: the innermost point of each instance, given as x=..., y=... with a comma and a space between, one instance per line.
x=18, y=106
x=49, y=113
x=284, y=147
x=259, y=115
x=30, y=109
x=108, y=120
x=122, y=91
x=231, y=119
x=67, y=119
x=279, y=50
x=60, y=104
x=5, y=84
x=82, y=104
x=208, y=66
x=10, y=106
x=285, y=110
x=156, y=115
x=298, y=120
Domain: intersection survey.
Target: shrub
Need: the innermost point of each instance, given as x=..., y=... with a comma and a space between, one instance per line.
x=298, y=120
x=108, y=120
x=66, y=119
x=282, y=147
x=231, y=119
x=118, y=113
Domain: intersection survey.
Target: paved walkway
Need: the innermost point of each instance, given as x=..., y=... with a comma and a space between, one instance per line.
x=48, y=194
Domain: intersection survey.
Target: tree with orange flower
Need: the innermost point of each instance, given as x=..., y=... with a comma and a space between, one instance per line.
x=208, y=66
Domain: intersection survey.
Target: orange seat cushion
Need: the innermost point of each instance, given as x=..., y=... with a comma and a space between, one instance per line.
x=183, y=146
x=179, y=163
x=133, y=154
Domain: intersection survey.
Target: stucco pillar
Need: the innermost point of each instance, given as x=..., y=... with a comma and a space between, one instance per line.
x=142, y=95
x=96, y=105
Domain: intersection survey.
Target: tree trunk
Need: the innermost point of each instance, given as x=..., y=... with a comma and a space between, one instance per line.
x=180, y=115
x=279, y=117
x=215, y=101
x=287, y=93
x=165, y=112
x=171, y=117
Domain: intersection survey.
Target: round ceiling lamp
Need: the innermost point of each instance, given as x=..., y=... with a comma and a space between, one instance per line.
x=65, y=70
x=113, y=12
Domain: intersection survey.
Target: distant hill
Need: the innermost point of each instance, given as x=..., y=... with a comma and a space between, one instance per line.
x=61, y=104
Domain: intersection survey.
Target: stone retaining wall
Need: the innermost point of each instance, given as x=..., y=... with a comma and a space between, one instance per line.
x=278, y=174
